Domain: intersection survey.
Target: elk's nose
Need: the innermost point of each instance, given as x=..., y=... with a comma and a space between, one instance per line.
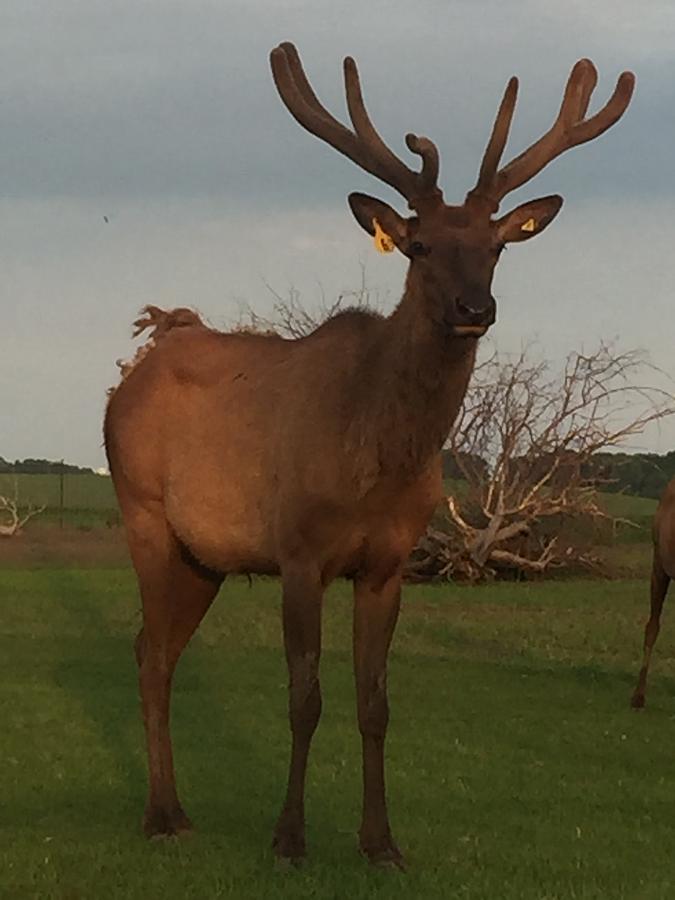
x=476, y=311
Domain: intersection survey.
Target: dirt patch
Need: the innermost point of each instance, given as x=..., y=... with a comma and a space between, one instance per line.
x=44, y=544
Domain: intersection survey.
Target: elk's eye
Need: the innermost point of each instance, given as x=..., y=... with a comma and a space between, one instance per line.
x=417, y=248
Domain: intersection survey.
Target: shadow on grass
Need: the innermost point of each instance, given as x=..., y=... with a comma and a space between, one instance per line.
x=221, y=716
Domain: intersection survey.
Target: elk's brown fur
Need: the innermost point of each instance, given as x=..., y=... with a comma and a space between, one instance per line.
x=663, y=570
x=317, y=457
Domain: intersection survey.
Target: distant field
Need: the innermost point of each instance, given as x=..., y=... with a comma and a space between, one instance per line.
x=639, y=509
x=96, y=492
x=79, y=491
x=89, y=501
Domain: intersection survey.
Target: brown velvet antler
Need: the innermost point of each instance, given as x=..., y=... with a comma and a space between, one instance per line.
x=363, y=145
x=569, y=129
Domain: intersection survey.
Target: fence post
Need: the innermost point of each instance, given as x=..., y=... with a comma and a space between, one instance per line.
x=61, y=493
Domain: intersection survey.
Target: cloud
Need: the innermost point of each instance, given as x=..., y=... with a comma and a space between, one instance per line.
x=173, y=99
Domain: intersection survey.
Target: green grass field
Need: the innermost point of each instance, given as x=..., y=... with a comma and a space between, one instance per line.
x=516, y=768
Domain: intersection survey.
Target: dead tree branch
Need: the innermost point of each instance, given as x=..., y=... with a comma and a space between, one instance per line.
x=14, y=517
x=524, y=444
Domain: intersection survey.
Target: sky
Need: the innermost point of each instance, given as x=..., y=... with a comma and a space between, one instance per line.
x=161, y=116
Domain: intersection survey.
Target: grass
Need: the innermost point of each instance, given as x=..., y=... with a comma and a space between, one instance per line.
x=627, y=506
x=516, y=769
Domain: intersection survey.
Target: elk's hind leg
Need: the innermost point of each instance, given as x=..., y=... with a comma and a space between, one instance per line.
x=659, y=588
x=176, y=593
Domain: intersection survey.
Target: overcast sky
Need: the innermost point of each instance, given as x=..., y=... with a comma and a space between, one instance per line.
x=162, y=117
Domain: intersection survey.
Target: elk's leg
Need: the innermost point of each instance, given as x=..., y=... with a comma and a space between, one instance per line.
x=301, y=606
x=176, y=594
x=659, y=588
x=376, y=609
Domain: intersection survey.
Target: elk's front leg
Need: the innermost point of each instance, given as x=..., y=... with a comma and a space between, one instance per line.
x=376, y=609
x=301, y=603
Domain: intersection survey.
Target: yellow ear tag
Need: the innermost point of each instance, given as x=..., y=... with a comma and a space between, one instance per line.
x=530, y=225
x=383, y=243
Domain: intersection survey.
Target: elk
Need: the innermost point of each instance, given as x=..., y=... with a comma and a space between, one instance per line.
x=319, y=457
x=663, y=570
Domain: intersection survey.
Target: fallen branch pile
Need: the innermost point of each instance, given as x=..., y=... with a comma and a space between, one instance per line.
x=528, y=499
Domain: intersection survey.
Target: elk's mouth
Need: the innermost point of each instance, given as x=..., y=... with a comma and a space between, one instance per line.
x=469, y=330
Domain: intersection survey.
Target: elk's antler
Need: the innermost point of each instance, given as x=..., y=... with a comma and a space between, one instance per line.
x=363, y=145
x=570, y=128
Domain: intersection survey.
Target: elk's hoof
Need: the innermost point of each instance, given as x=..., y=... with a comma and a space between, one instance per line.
x=288, y=842
x=289, y=848
x=637, y=701
x=385, y=855
x=160, y=823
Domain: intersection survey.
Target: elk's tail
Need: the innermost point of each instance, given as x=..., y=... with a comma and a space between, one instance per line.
x=160, y=321
x=163, y=320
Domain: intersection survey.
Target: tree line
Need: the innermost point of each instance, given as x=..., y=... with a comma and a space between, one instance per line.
x=41, y=467
x=638, y=474
x=642, y=474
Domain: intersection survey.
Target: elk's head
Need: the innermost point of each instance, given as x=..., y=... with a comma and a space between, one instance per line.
x=452, y=250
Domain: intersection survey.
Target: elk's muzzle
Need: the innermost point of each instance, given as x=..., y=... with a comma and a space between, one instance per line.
x=473, y=316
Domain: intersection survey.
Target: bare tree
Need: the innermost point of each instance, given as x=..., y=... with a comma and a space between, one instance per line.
x=524, y=444
x=13, y=515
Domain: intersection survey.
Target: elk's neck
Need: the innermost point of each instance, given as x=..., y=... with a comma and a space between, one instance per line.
x=418, y=384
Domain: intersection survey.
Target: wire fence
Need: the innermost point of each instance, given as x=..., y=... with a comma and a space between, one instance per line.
x=80, y=499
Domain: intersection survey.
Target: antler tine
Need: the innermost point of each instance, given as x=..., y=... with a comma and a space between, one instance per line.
x=570, y=128
x=580, y=85
x=299, y=77
x=587, y=129
x=397, y=173
x=425, y=148
x=497, y=143
x=303, y=104
x=408, y=182
x=364, y=146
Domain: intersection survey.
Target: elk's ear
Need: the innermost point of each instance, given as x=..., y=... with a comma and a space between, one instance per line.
x=367, y=210
x=525, y=221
